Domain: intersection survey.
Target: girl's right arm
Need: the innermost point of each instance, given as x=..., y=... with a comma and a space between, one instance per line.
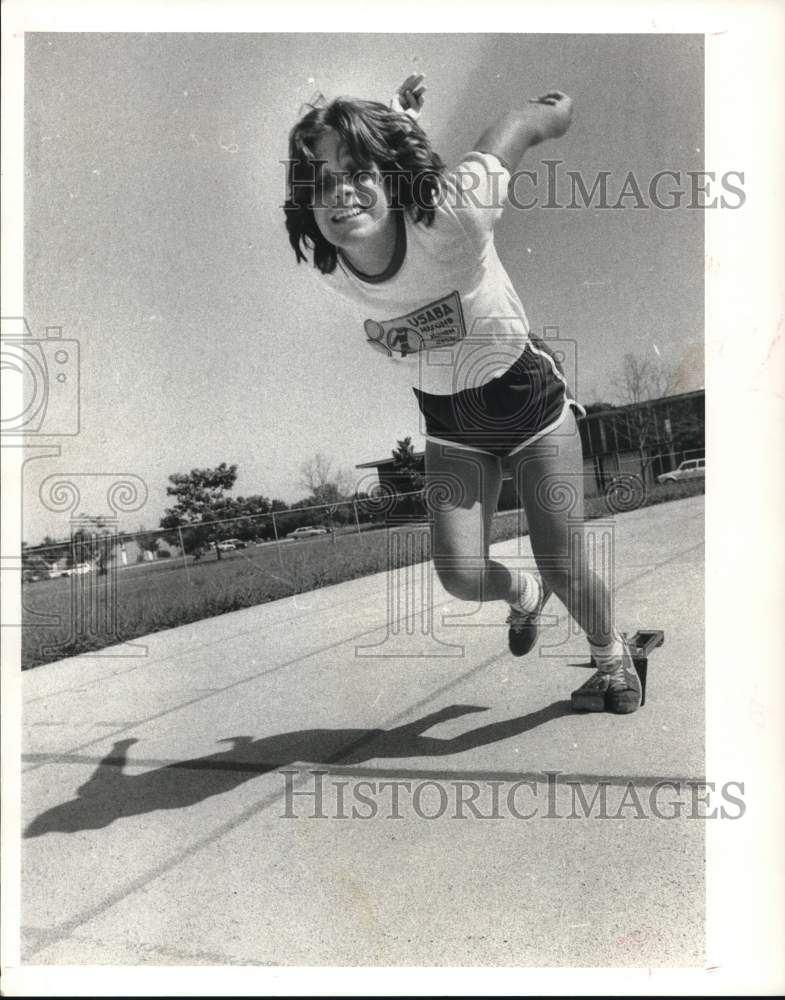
x=408, y=98
x=546, y=117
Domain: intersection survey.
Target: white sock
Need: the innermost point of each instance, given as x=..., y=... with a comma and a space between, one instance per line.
x=607, y=657
x=529, y=593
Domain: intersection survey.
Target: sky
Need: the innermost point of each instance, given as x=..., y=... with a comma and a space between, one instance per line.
x=154, y=236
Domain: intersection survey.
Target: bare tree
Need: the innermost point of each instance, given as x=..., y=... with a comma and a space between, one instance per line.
x=641, y=379
x=327, y=485
x=324, y=482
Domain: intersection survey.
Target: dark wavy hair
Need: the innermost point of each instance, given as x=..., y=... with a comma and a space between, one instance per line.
x=378, y=139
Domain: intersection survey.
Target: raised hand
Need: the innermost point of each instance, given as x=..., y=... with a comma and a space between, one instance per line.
x=409, y=97
x=553, y=114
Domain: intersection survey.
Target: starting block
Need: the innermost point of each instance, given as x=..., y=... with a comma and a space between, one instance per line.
x=641, y=644
x=590, y=698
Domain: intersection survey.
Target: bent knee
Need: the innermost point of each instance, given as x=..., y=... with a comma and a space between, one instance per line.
x=464, y=583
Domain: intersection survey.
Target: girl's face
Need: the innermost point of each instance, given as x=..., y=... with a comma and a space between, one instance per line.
x=351, y=203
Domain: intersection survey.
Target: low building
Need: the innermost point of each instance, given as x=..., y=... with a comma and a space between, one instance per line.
x=639, y=439
x=642, y=439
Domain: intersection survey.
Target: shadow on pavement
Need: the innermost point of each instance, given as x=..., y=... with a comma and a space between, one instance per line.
x=109, y=794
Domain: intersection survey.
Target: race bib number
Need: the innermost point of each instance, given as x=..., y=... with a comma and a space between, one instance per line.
x=439, y=324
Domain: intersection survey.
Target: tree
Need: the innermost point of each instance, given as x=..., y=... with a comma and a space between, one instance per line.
x=408, y=466
x=408, y=477
x=53, y=551
x=326, y=486
x=147, y=541
x=325, y=483
x=639, y=381
x=276, y=507
x=254, y=516
x=93, y=543
x=201, y=502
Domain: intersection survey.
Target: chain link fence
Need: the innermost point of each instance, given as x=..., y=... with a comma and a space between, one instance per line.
x=126, y=585
x=89, y=551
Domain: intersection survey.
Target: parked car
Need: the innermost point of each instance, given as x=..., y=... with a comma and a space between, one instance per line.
x=80, y=569
x=691, y=468
x=230, y=544
x=306, y=532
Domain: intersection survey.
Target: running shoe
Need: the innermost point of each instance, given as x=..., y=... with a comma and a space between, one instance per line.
x=616, y=690
x=524, y=625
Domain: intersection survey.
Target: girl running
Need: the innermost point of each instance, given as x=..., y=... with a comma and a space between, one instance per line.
x=411, y=246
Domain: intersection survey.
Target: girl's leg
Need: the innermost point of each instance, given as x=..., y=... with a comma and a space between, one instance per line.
x=549, y=478
x=463, y=488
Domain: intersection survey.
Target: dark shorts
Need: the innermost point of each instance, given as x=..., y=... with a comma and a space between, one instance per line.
x=505, y=414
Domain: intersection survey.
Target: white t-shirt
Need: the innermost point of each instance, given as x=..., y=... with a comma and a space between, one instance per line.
x=448, y=319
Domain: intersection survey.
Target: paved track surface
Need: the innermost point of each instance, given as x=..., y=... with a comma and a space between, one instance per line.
x=154, y=803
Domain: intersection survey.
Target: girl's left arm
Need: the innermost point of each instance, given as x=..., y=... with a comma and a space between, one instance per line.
x=546, y=117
